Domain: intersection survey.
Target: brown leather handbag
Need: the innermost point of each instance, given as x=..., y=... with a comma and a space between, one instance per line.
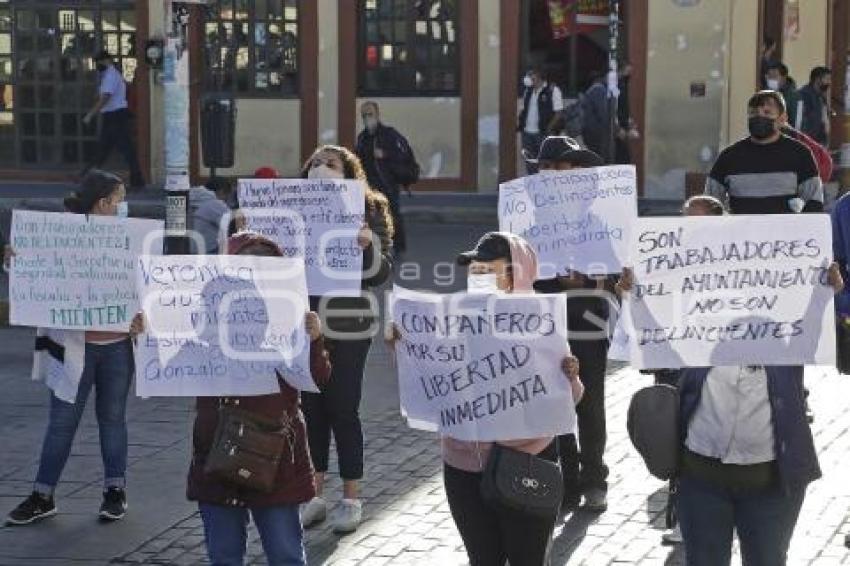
x=248, y=448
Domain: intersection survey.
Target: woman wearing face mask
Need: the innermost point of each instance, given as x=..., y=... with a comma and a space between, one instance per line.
x=500, y=262
x=225, y=507
x=99, y=360
x=350, y=325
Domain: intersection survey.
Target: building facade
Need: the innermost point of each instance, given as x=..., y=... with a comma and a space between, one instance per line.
x=447, y=73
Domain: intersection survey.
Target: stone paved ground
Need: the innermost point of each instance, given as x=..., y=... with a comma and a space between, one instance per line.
x=408, y=522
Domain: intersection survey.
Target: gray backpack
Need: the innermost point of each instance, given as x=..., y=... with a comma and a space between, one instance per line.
x=653, y=425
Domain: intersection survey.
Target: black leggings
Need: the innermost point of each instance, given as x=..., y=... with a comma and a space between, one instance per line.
x=493, y=535
x=337, y=410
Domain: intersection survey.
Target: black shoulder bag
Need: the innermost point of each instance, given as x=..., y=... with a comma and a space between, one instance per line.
x=522, y=482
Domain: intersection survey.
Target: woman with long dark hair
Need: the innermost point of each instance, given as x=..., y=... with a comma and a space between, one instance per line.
x=350, y=321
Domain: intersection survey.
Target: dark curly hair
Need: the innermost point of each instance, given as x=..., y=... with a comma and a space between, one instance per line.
x=353, y=169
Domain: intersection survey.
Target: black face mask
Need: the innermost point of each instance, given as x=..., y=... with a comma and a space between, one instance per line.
x=761, y=127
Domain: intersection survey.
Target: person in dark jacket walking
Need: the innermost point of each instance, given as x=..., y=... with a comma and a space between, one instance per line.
x=225, y=507
x=389, y=163
x=542, y=106
x=596, y=109
x=350, y=324
x=813, y=120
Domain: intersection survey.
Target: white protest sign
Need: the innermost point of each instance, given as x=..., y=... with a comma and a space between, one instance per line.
x=579, y=220
x=221, y=325
x=74, y=271
x=731, y=290
x=317, y=219
x=483, y=366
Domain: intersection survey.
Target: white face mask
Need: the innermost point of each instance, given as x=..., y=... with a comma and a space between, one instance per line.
x=324, y=172
x=482, y=283
x=773, y=84
x=527, y=82
x=122, y=210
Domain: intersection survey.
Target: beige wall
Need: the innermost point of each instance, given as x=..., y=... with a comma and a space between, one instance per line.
x=809, y=49
x=431, y=125
x=742, y=62
x=683, y=132
x=328, y=70
x=488, y=96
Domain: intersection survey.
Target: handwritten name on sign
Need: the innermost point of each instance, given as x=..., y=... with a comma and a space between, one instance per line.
x=221, y=325
x=483, y=366
x=317, y=220
x=731, y=290
x=579, y=220
x=73, y=271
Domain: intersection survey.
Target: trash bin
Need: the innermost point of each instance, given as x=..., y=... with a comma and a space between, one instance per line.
x=218, y=130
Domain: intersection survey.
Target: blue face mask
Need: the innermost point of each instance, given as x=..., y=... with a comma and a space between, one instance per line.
x=122, y=210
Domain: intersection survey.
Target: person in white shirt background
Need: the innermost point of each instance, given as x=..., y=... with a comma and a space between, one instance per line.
x=542, y=106
x=115, y=130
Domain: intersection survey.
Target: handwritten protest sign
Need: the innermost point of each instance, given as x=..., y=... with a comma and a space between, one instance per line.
x=483, y=366
x=314, y=219
x=74, y=271
x=731, y=290
x=221, y=325
x=579, y=220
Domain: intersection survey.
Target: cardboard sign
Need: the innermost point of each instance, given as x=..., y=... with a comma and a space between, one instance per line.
x=222, y=325
x=317, y=220
x=579, y=220
x=77, y=272
x=731, y=290
x=483, y=366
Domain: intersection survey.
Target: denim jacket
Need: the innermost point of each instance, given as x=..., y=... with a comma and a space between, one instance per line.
x=795, y=448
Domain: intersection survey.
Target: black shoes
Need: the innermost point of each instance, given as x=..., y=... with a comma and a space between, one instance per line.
x=34, y=508
x=114, y=505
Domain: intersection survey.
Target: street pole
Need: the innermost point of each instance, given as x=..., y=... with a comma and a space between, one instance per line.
x=613, y=88
x=175, y=82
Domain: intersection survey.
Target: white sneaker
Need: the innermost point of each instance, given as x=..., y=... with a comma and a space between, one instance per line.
x=313, y=512
x=673, y=536
x=348, y=516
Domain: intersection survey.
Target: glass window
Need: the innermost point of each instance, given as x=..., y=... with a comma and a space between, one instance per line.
x=251, y=47
x=409, y=48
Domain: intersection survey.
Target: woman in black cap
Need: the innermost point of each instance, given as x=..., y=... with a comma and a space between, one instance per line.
x=500, y=262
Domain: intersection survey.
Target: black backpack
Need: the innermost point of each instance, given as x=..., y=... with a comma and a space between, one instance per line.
x=407, y=172
x=653, y=425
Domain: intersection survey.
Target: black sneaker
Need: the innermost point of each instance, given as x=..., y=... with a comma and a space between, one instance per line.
x=114, y=505
x=34, y=508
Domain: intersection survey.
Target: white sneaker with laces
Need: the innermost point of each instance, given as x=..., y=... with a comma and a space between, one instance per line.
x=348, y=516
x=673, y=536
x=313, y=512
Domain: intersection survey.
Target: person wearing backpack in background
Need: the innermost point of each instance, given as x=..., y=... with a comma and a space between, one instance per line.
x=389, y=163
x=542, y=109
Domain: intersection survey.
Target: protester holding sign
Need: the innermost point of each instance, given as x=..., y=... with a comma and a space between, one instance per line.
x=747, y=456
x=225, y=505
x=493, y=533
x=585, y=472
x=349, y=324
x=72, y=363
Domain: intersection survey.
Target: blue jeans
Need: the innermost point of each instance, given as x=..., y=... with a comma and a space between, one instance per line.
x=109, y=368
x=225, y=531
x=764, y=521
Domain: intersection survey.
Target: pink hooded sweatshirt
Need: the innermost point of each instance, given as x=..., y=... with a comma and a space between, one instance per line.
x=472, y=456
